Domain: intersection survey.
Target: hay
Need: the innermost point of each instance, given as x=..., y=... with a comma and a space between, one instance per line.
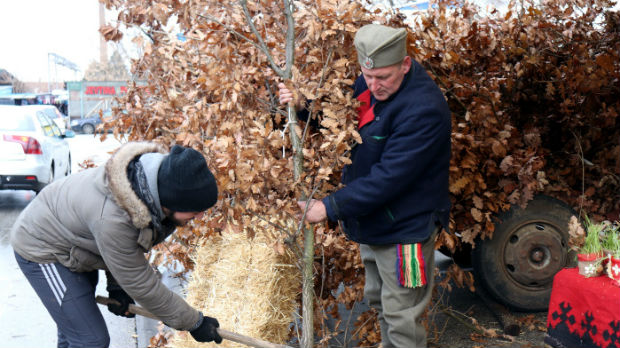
x=246, y=285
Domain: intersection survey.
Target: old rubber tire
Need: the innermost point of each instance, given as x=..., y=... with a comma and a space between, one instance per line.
x=529, y=246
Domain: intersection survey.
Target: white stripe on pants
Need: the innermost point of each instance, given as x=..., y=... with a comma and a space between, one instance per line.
x=69, y=298
x=55, y=282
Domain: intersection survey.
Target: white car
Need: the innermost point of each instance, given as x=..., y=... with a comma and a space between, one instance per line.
x=33, y=149
x=61, y=120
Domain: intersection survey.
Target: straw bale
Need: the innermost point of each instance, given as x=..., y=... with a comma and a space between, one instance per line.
x=246, y=285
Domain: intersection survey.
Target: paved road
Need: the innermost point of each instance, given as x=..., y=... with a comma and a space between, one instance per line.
x=25, y=322
x=89, y=147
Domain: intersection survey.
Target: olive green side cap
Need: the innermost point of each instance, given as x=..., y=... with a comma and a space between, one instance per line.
x=378, y=45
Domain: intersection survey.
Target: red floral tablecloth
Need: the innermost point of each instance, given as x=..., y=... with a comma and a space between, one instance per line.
x=583, y=312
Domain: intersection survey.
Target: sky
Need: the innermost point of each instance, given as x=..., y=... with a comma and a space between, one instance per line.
x=30, y=29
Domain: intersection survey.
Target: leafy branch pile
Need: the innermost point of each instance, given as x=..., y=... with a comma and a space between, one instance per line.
x=534, y=94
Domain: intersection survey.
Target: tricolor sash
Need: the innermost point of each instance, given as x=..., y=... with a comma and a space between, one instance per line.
x=410, y=265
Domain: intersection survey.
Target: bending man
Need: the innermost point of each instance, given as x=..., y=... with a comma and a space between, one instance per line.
x=107, y=218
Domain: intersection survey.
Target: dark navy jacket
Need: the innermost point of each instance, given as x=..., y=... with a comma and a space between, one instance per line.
x=397, y=184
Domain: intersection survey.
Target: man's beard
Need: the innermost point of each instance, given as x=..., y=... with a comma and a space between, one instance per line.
x=171, y=221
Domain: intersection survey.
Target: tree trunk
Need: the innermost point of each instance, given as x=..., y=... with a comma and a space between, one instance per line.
x=307, y=336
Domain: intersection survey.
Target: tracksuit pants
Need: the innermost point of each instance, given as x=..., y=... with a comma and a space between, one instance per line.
x=399, y=308
x=69, y=297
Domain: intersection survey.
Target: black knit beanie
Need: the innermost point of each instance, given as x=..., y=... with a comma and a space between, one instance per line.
x=184, y=181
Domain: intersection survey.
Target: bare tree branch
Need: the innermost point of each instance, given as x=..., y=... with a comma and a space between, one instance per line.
x=261, y=43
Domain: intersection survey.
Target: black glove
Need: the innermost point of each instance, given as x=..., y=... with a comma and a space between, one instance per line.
x=115, y=292
x=207, y=331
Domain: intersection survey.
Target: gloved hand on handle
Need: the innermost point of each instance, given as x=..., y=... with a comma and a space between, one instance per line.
x=206, y=330
x=117, y=293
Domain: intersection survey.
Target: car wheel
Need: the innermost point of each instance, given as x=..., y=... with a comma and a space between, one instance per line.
x=529, y=246
x=88, y=128
x=51, y=174
x=68, y=172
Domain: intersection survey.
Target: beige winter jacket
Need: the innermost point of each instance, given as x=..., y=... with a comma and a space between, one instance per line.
x=94, y=220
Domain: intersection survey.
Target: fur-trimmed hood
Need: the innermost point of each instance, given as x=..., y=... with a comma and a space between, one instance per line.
x=120, y=186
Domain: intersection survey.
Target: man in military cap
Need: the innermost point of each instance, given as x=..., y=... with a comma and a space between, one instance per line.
x=395, y=198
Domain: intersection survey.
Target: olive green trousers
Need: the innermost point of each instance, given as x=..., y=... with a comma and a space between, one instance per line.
x=400, y=308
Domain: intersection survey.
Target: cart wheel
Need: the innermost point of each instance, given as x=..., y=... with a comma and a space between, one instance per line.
x=529, y=246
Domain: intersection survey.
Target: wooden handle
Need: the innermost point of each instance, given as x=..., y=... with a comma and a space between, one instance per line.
x=248, y=341
x=227, y=335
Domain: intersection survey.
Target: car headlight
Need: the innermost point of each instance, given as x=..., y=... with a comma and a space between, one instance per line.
x=74, y=123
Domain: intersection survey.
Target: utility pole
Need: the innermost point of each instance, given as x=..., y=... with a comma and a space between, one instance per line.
x=103, y=50
x=58, y=60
